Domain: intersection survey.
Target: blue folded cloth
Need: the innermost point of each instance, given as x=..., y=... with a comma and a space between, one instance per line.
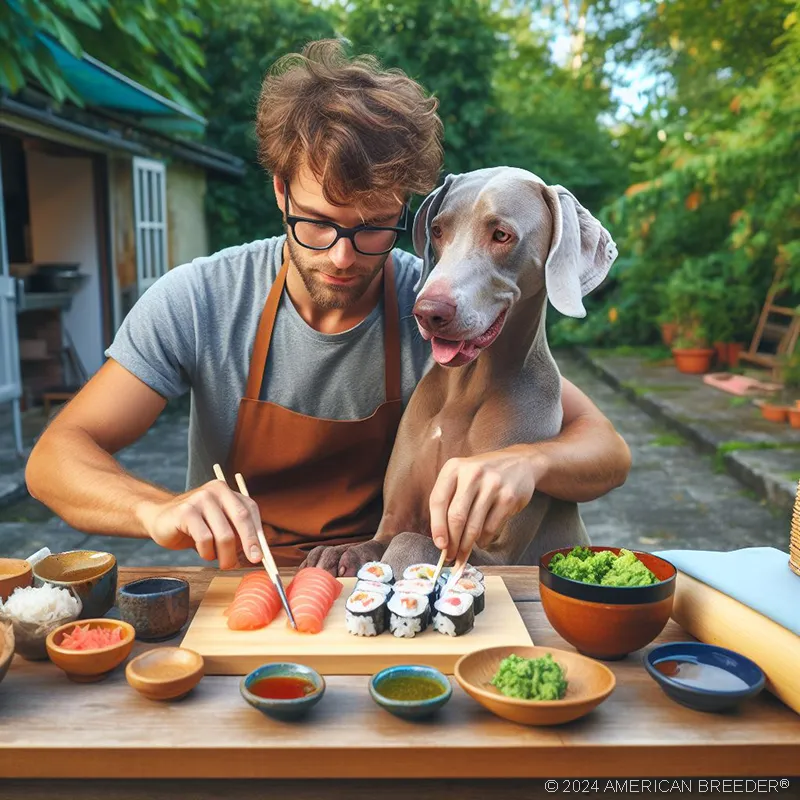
x=758, y=577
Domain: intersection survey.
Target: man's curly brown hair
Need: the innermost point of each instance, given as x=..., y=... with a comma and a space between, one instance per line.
x=365, y=132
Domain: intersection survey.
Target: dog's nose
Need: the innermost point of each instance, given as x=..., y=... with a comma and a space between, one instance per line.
x=434, y=312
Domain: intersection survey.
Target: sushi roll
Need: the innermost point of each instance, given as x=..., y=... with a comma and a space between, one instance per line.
x=469, y=572
x=474, y=588
x=419, y=571
x=454, y=614
x=365, y=613
x=409, y=614
x=374, y=586
x=376, y=571
x=418, y=586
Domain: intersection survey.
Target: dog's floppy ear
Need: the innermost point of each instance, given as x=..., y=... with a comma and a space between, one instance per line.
x=581, y=253
x=421, y=233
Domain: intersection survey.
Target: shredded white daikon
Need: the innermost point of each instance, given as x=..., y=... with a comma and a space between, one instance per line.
x=40, y=605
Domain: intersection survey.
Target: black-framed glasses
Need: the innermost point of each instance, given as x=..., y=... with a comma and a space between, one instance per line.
x=369, y=240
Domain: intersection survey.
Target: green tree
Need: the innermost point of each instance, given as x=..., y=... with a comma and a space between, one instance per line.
x=151, y=41
x=243, y=39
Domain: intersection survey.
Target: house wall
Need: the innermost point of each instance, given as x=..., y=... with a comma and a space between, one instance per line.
x=124, y=237
x=186, y=221
x=63, y=228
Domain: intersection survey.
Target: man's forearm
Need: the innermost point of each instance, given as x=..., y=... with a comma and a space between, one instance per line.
x=585, y=461
x=86, y=486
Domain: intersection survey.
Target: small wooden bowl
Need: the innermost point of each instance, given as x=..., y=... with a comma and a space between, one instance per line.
x=588, y=684
x=14, y=572
x=87, y=666
x=165, y=673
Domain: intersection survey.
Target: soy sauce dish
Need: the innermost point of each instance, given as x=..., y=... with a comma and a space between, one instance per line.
x=704, y=677
x=284, y=691
x=410, y=692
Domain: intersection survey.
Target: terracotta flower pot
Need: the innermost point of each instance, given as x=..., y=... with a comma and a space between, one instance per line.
x=668, y=332
x=734, y=350
x=774, y=413
x=794, y=417
x=694, y=361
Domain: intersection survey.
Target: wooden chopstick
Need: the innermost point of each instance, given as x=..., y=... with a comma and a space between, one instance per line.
x=458, y=571
x=262, y=540
x=439, y=566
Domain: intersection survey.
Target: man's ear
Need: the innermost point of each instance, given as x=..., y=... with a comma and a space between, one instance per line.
x=421, y=231
x=581, y=252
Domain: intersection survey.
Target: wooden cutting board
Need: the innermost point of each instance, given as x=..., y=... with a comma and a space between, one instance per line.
x=716, y=618
x=334, y=651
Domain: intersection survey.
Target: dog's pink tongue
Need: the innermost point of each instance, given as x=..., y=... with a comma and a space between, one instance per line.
x=444, y=351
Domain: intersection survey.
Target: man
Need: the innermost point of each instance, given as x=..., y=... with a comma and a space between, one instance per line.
x=299, y=351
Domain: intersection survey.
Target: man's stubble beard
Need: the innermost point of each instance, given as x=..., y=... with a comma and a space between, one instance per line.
x=322, y=294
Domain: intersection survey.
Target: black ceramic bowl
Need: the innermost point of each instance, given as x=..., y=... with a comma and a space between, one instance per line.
x=156, y=607
x=734, y=666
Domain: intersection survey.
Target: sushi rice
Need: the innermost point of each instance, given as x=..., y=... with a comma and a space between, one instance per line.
x=419, y=571
x=454, y=614
x=365, y=613
x=409, y=614
x=376, y=571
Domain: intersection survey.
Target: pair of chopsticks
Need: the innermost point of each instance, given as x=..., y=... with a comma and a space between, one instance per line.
x=267, y=560
x=456, y=573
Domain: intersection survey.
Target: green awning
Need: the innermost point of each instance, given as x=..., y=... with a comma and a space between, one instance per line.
x=100, y=86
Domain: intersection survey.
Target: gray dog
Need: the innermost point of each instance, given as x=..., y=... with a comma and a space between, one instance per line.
x=496, y=245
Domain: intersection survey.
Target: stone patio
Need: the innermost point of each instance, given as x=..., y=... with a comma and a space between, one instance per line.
x=675, y=496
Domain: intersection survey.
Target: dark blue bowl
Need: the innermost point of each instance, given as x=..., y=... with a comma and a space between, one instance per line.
x=286, y=710
x=156, y=607
x=410, y=709
x=705, y=699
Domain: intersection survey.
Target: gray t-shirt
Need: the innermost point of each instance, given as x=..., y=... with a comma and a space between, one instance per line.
x=194, y=329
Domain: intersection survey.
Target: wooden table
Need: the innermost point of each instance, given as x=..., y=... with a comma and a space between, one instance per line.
x=52, y=729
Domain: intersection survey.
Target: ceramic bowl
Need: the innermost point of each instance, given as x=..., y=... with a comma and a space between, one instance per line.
x=14, y=572
x=705, y=699
x=165, y=673
x=156, y=607
x=608, y=622
x=410, y=709
x=86, y=666
x=285, y=710
x=589, y=683
x=90, y=574
x=6, y=647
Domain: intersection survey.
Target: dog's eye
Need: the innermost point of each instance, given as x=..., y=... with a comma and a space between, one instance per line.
x=501, y=236
x=436, y=231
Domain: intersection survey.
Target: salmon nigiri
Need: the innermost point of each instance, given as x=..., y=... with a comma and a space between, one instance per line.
x=311, y=595
x=255, y=603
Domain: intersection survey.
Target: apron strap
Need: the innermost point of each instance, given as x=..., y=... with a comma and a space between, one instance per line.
x=391, y=337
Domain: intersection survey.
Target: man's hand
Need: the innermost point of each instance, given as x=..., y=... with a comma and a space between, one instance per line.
x=212, y=519
x=474, y=497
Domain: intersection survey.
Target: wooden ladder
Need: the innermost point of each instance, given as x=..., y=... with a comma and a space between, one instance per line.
x=782, y=333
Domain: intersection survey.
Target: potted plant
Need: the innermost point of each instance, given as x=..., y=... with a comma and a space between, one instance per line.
x=690, y=349
x=790, y=375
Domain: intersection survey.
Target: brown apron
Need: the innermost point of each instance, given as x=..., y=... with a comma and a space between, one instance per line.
x=316, y=481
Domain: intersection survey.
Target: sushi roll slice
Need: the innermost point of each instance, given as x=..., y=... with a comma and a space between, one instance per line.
x=454, y=614
x=374, y=586
x=474, y=588
x=365, y=613
x=418, y=586
x=376, y=571
x=419, y=571
x=409, y=614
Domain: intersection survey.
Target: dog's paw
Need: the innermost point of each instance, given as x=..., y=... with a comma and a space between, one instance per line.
x=326, y=557
x=409, y=548
x=359, y=554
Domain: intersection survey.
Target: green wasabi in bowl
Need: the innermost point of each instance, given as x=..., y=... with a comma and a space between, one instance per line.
x=530, y=678
x=604, y=568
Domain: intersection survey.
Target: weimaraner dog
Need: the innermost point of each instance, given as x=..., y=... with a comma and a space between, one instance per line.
x=481, y=302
